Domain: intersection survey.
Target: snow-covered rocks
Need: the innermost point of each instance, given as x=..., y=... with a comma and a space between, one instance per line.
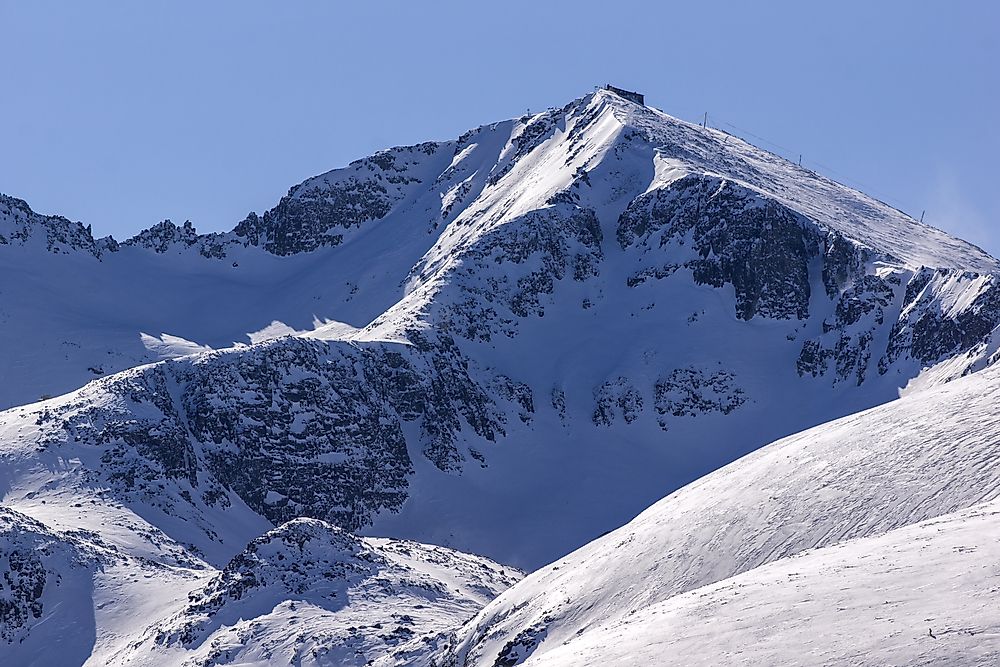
x=20, y=227
x=309, y=593
x=34, y=562
x=305, y=592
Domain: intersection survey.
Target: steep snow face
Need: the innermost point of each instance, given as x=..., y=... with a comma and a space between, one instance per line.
x=927, y=455
x=308, y=593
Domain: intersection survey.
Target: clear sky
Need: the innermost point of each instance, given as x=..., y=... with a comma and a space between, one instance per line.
x=120, y=114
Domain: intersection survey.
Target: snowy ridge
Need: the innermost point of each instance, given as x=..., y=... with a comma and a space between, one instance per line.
x=923, y=594
x=347, y=599
x=927, y=455
x=100, y=579
x=853, y=214
x=21, y=227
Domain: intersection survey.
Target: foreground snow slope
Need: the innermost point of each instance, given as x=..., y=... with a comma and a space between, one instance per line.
x=931, y=454
x=919, y=595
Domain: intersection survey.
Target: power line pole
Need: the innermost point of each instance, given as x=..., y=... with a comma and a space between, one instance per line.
x=800, y=159
x=922, y=215
x=704, y=123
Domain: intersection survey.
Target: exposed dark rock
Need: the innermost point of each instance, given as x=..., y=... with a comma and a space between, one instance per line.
x=19, y=224
x=165, y=235
x=690, y=392
x=931, y=328
x=558, y=242
x=614, y=398
x=738, y=237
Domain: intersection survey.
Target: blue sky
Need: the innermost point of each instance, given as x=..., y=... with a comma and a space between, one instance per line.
x=120, y=114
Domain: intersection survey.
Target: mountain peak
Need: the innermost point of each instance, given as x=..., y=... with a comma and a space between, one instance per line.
x=630, y=95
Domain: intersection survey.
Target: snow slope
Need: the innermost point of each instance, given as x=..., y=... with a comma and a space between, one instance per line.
x=308, y=593
x=888, y=501
x=508, y=343
x=923, y=594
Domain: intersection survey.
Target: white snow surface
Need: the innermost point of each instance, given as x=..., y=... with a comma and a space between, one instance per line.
x=307, y=593
x=842, y=544
x=925, y=594
x=118, y=590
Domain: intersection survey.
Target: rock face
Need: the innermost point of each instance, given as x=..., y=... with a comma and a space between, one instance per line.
x=320, y=211
x=25, y=577
x=165, y=236
x=736, y=237
x=689, y=392
x=20, y=226
x=536, y=252
x=316, y=429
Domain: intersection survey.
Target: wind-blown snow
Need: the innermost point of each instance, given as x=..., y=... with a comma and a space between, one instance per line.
x=880, y=472
x=923, y=594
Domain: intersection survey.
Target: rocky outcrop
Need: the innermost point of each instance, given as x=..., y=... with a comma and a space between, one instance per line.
x=863, y=313
x=945, y=313
x=616, y=398
x=511, y=272
x=20, y=226
x=320, y=211
x=165, y=236
x=38, y=570
x=346, y=599
x=690, y=392
x=292, y=427
x=736, y=238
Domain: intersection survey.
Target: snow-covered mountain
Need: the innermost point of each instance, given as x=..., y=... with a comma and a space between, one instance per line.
x=843, y=544
x=508, y=344
x=583, y=308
